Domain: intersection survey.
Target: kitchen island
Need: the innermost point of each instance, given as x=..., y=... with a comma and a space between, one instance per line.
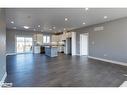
x=51, y=51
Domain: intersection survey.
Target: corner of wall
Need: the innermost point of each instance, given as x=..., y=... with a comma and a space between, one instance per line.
x=3, y=79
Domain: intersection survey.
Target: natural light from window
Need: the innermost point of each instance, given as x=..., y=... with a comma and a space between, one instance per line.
x=46, y=39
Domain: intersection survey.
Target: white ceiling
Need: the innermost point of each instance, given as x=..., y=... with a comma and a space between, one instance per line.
x=47, y=18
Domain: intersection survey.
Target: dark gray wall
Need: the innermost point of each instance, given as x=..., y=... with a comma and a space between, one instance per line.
x=2, y=43
x=110, y=43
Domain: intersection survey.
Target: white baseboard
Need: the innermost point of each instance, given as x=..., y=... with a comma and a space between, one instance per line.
x=78, y=54
x=11, y=54
x=73, y=54
x=110, y=61
x=3, y=79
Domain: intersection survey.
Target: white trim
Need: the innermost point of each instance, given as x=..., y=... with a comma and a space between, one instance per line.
x=83, y=36
x=73, y=48
x=110, y=61
x=3, y=79
x=11, y=54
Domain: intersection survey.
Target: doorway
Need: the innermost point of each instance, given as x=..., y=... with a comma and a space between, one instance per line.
x=69, y=47
x=24, y=44
x=84, y=44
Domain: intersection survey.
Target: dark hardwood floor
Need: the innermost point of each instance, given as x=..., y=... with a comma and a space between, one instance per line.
x=38, y=70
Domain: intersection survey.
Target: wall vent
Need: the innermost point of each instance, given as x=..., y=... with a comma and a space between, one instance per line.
x=99, y=28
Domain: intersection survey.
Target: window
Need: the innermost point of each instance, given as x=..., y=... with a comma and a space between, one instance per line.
x=46, y=39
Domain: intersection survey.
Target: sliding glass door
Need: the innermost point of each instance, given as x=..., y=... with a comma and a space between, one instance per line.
x=24, y=44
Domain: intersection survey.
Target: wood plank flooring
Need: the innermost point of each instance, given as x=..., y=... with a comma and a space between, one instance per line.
x=38, y=70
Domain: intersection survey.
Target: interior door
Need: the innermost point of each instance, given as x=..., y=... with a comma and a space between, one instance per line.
x=84, y=44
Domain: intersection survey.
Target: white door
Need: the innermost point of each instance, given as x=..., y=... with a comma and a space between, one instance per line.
x=84, y=44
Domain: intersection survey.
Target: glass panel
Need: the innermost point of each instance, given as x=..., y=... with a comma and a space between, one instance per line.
x=24, y=44
x=20, y=47
x=20, y=39
x=48, y=39
x=28, y=44
x=28, y=39
x=44, y=39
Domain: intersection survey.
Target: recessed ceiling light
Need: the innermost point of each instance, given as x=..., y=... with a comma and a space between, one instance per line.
x=64, y=28
x=66, y=19
x=39, y=25
x=14, y=27
x=50, y=29
x=86, y=9
x=105, y=17
x=54, y=27
x=26, y=27
x=12, y=22
x=83, y=23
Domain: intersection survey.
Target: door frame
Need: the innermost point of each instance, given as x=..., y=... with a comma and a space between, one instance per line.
x=69, y=45
x=16, y=44
x=87, y=34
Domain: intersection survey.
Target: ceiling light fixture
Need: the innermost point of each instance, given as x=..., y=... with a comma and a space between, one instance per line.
x=83, y=23
x=39, y=25
x=105, y=17
x=86, y=9
x=54, y=27
x=66, y=19
x=64, y=28
x=26, y=27
x=50, y=29
x=12, y=22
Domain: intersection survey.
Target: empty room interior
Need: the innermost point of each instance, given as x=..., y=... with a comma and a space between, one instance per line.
x=63, y=47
